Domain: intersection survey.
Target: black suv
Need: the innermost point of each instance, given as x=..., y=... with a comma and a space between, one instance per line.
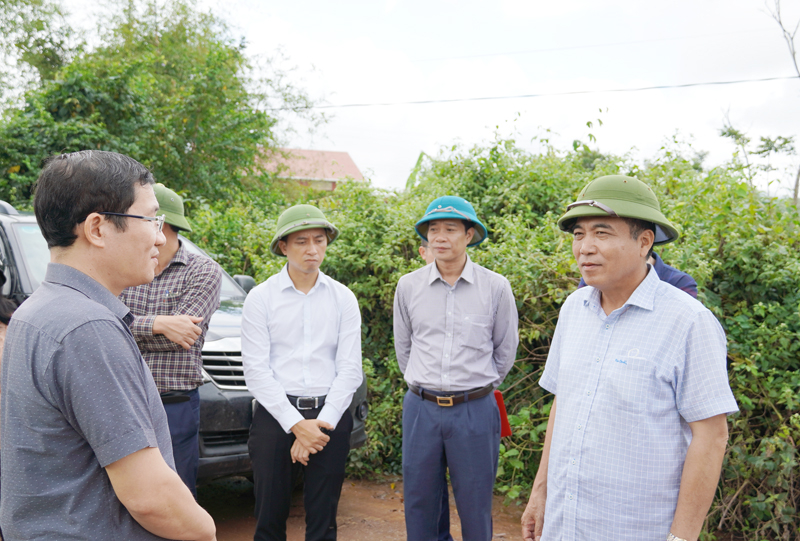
x=226, y=406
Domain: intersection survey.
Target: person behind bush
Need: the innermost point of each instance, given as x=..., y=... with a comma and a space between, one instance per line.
x=86, y=449
x=637, y=429
x=301, y=351
x=455, y=332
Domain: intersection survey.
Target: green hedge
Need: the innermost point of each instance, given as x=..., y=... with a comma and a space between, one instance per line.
x=738, y=244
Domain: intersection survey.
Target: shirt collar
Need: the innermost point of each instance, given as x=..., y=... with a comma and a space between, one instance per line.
x=181, y=256
x=74, y=279
x=643, y=296
x=285, y=281
x=467, y=274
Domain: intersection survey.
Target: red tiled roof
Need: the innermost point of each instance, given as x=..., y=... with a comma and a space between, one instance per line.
x=300, y=164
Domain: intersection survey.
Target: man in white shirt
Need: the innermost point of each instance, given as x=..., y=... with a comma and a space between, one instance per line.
x=301, y=350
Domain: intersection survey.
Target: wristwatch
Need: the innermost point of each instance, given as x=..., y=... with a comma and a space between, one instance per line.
x=673, y=537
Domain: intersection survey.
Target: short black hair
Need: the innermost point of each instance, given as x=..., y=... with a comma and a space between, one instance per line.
x=637, y=227
x=72, y=186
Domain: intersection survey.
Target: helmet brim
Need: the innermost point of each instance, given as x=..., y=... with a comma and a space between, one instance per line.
x=481, y=233
x=666, y=231
x=301, y=225
x=177, y=221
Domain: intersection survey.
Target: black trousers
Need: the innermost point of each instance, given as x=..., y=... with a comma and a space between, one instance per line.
x=274, y=473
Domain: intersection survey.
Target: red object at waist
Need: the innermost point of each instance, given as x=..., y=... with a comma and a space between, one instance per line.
x=505, y=428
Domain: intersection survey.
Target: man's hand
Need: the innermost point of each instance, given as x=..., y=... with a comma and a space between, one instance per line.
x=533, y=517
x=310, y=436
x=299, y=453
x=180, y=329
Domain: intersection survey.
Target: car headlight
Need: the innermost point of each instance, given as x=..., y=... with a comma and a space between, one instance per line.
x=362, y=411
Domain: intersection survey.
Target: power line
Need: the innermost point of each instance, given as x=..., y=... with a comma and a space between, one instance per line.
x=546, y=94
x=592, y=46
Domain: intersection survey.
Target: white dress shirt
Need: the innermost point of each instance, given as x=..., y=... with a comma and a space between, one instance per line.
x=301, y=345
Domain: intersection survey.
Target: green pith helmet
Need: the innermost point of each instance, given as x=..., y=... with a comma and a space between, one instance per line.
x=451, y=207
x=170, y=204
x=625, y=197
x=300, y=218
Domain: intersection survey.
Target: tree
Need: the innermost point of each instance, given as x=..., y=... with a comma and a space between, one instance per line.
x=168, y=86
x=788, y=36
x=36, y=41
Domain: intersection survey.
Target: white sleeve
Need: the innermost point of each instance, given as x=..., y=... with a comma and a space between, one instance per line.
x=349, y=373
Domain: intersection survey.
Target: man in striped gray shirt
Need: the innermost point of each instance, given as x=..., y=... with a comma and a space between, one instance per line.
x=455, y=330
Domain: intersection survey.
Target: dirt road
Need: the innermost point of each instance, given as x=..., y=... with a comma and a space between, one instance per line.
x=368, y=511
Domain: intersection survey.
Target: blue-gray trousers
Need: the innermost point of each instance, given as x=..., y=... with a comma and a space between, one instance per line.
x=184, y=428
x=464, y=438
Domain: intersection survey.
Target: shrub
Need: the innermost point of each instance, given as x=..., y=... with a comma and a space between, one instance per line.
x=738, y=244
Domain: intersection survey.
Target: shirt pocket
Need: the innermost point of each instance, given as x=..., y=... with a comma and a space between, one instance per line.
x=476, y=331
x=630, y=383
x=165, y=300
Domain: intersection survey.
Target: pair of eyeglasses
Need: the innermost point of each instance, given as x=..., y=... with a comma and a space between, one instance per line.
x=157, y=221
x=591, y=203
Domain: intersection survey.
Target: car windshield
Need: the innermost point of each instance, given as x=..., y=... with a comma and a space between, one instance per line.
x=34, y=251
x=36, y=257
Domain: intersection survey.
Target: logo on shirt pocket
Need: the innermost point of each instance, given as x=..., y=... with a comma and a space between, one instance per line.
x=630, y=382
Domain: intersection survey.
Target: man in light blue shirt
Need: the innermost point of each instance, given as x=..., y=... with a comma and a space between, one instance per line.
x=638, y=429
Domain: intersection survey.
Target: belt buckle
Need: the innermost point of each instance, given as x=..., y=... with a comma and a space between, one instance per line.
x=444, y=401
x=316, y=402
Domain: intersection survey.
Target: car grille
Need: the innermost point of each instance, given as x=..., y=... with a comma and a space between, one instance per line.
x=225, y=369
x=225, y=438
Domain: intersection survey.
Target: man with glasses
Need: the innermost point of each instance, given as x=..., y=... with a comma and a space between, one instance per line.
x=637, y=429
x=455, y=333
x=171, y=316
x=86, y=449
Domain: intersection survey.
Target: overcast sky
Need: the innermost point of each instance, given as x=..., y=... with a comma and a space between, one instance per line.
x=390, y=51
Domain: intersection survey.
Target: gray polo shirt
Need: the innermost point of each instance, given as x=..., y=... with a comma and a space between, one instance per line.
x=455, y=338
x=77, y=396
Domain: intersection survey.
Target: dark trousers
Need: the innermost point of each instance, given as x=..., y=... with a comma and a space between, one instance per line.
x=464, y=439
x=184, y=427
x=274, y=473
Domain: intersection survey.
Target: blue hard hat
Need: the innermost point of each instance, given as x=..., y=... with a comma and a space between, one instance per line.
x=452, y=207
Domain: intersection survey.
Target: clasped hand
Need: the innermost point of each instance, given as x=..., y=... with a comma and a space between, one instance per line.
x=182, y=330
x=309, y=439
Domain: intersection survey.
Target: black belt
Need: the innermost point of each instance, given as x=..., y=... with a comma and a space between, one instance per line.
x=306, y=402
x=175, y=397
x=453, y=399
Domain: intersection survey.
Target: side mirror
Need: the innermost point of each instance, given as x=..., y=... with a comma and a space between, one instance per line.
x=246, y=282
